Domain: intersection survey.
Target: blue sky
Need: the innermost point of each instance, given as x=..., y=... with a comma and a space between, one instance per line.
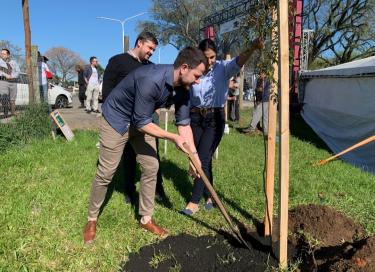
x=73, y=24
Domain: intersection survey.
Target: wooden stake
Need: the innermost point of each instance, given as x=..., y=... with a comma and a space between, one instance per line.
x=166, y=129
x=241, y=87
x=284, y=130
x=35, y=73
x=26, y=24
x=271, y=143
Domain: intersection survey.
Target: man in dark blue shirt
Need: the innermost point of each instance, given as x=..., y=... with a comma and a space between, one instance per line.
x=127, y=116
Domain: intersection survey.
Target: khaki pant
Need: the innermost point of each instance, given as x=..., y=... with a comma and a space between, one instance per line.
x=9, y=88
x=92, y=94
x=111, y=147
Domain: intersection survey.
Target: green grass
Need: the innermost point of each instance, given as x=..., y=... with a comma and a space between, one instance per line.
x=45, y=188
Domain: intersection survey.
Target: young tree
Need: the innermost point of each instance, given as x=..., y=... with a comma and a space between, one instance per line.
x=62, y=62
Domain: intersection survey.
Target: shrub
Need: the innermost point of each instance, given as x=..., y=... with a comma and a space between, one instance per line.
x=31, y=124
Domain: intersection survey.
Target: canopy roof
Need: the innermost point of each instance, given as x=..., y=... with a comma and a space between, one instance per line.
x=358, y=68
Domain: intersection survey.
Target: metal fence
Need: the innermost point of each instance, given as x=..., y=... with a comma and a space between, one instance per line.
x=14, y=96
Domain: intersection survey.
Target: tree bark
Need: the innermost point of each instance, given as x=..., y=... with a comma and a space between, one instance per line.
x=26, y=23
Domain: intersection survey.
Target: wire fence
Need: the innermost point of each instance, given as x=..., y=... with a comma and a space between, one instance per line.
x=14, y=95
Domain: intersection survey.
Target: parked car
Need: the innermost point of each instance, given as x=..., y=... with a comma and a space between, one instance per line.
x=58, y=97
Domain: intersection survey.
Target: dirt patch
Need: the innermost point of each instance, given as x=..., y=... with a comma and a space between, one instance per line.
x=321, y=239
x=205, y=253
x=327, y=225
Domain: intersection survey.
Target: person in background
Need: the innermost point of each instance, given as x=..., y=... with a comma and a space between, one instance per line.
x=118, y=67
x=233, y=100
x=127, y=117
x=43, y=78
x=82, y=86
x=9, y=72
x=260, y=112
x=207, y=113
x=91, y=77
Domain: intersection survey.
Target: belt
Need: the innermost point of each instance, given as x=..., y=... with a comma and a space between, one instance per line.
x=205, y=111
x=3, y=78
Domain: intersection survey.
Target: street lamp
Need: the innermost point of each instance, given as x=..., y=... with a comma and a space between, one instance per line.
x=122, y=25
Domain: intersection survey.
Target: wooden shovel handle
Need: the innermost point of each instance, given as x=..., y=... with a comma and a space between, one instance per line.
x=359, y=144
x=218, y=202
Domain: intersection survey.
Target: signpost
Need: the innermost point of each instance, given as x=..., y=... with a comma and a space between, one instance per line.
x=60, y=122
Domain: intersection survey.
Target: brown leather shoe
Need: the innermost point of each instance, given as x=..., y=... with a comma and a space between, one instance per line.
x=89, y=232
x=152, y=227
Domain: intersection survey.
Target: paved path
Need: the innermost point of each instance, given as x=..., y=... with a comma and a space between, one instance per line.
x=77, y=118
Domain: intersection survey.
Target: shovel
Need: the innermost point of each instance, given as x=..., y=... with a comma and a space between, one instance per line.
x=217, y=200
x=359, y=144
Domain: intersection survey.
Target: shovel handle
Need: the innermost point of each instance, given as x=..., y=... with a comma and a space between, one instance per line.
x=208, y=185
x=359, y=144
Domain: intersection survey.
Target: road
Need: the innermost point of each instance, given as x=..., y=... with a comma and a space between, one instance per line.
x=77, y=118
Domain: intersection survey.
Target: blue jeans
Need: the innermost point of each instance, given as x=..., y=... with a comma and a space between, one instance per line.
x=43, y=93
x=207, y=132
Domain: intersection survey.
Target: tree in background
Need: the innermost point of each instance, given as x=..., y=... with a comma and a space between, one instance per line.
x=343, y=30
x=179, y=23
x=62, y=62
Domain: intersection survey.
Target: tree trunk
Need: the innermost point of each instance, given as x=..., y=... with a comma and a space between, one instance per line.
x=26, y=23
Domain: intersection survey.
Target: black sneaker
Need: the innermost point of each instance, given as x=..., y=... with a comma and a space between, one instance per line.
x=88, y=111
x=96, y=111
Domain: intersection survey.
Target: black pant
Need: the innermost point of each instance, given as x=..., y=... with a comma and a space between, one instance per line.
x=207, y=131
x=129, y=164
x=82, y=93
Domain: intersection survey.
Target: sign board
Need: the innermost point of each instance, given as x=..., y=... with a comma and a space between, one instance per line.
x=231, y=25
x=60, y=122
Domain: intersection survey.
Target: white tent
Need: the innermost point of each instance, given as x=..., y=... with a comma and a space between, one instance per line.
x=339, y=105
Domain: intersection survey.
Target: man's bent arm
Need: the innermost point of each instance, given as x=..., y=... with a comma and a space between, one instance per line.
x=156, y=131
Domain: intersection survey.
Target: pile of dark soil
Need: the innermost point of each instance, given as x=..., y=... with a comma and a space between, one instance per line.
x=327, y=225
x=327, y=240
x=324, y=239
x=205, y=253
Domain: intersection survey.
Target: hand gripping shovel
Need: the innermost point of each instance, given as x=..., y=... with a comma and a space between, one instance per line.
x=217, y=200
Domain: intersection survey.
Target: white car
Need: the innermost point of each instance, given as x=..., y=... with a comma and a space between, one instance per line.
x=57, y=95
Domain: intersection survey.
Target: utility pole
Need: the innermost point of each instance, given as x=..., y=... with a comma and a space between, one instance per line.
x=26, y=24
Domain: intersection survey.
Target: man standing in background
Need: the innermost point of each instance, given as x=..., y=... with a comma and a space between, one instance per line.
x=9, y=72
x=91, y=77
x=82, y=86
x=260, y=112
x=119, y=67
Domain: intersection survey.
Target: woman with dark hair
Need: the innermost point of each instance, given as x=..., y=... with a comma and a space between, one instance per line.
x=82, y=85
x=207, y=112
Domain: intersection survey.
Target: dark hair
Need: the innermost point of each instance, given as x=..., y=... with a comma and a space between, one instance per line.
x=207, y=44
x=7, y=50
x=191, y=56
x=92, y=58
x=146, y=36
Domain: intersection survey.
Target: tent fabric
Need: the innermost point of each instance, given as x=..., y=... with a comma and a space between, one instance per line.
x=356, y=68
x=342, y=112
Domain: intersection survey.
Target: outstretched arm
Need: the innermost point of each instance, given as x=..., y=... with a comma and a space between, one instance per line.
x=245, y=55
